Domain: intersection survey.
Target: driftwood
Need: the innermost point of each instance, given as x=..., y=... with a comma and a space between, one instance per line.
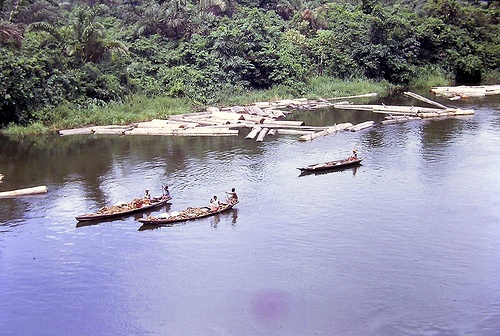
x=24, y=192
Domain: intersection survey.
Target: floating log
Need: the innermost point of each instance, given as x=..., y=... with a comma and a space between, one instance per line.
x=398, y=120
x=357, y=96
x=76, y=131
x=198, y=131
x=118, y=130
x=446, y=113
x=24, y=192
x=293, y=131
x=360, y=126
x=428, y=101
x=451, y=92
x=281, y=123
x=262, y=134
x=1, y=177
x=328, y=131
x=253, y=133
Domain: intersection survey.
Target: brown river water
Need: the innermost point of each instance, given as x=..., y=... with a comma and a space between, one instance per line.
x=408, y=243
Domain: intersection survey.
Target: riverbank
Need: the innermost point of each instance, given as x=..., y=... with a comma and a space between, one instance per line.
x=139, y=108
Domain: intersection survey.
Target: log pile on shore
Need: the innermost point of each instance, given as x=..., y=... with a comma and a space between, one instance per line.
x=465, y=92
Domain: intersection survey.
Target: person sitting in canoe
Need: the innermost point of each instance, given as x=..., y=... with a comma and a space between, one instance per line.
x=354, y=156
x=214, y=204
x=232, y=197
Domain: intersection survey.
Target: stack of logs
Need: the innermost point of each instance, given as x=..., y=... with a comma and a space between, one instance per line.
x=269, y=118
x=465, y=92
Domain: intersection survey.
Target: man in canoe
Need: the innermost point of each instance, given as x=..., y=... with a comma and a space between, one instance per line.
x=232, y=197
x=354, y=155
x=166, y=192
x=147, y=196
x=214, y=204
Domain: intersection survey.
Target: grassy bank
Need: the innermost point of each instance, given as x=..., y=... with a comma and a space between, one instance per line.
x=141, y=108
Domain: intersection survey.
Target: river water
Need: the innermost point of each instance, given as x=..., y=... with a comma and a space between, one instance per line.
x=406, y=244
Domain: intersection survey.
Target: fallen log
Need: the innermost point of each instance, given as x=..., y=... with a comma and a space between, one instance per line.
x=24, y=192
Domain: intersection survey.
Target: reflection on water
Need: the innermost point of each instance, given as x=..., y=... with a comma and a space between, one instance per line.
x=407, y=243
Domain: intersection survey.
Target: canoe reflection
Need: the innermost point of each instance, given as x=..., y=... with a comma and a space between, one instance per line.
x=228, y=216
x=333, y=170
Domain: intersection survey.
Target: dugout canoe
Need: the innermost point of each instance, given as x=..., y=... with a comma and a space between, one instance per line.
x=125, y=209
x=330, y=165
x=187, y=214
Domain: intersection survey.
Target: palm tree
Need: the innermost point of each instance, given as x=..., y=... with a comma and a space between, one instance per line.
x=91, y=44
x=10, y=32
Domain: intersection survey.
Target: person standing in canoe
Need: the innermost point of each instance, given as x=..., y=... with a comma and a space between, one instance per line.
x=166, y=192
x=214, y=204
x=232, y=197
x=147, y=196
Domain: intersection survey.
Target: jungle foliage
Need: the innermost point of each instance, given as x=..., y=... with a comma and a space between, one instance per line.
x=89, y=54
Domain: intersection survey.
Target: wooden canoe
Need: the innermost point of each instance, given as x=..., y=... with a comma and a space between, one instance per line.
x=338, y=164
x=185, y=215
x=125, y=209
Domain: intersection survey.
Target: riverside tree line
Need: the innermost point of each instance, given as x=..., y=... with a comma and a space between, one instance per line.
x=101, y=52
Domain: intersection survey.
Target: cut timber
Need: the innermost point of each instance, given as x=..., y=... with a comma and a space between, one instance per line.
x=328, y=131
x=425, y=100
x=253, y=133
x=24, y=192
x=76, y=131
x=360, y=126
x=198, y=131
x=357, y=96
x=118, y=130
x=227, y=116
x=282, y=123
x=398, y=120
x=262, y=134
x=293, y=131
x=451, y=92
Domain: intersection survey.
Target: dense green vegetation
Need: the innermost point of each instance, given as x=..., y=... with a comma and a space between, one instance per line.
x=76, y=63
